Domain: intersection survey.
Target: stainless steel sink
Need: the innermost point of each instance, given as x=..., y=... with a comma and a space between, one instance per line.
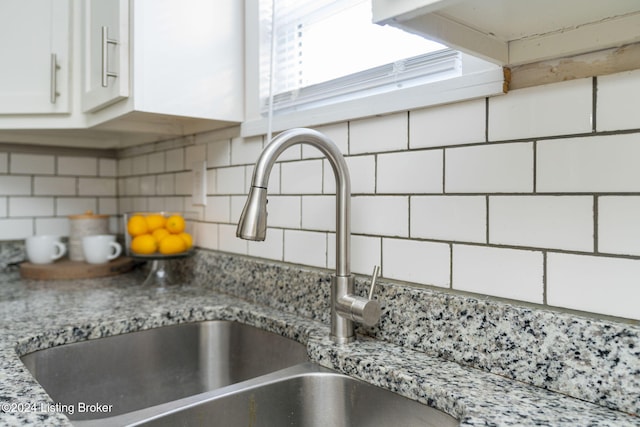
x=141, y=369
x=216, y=373
x=305, y=396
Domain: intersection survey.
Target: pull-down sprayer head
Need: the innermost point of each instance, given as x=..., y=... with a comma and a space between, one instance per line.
x=253, y=220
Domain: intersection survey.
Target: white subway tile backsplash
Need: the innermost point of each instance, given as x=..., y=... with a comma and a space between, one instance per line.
x=427, y=215
x=415, y=261
x=78, y=205
x=54, y=186
x=207, y=235
x=410, y=172
x=212, y=179
x=607, y=163
x=165, y=184
x=116, y=225
x=218, y=209
x=108, y=205
x=378, y=134
x=618, y=101
x=292, y=153
x=132, y=186
x=237, y=204
x=155, y=204
x=619, y=225
x=16, y=229
x=4, y=162
x=338, y=133
x=555, y=109
x=303, y=177
x=380, y=215
x=230, y=180
x=319, y=213
x=365, y=253
x=362, y=171
x=156, y=162
x=453, y=124
x=506, y=273
x=194, y=153
x=284, y=211
x=125, y=167
x=455, y=218
x=140, y=165
x=15, y=185
x=363, y=175
x=184, y=183
x=53, y=226
x=174, y=204
x=245, y=150
x=174, y=160
x=78, y=166
x=104, y=186
x=560, y=222
x=147, y=185
x=125, y=205
x=495, y=168
x=32, y=164
x=305, y=247
x=219, y=154
x=30, y=206
x=108, y=167
x=596, y=284
x=271, y=247
x=142, y=204
x=274, y=179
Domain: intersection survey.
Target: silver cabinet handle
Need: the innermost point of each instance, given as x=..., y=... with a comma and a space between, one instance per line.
x=105, y=56
x=54, y=78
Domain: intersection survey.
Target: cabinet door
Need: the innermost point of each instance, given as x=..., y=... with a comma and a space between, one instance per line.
x=106, y=53
x=34, y=53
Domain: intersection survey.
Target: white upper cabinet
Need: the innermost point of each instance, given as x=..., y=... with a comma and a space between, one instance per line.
x=141, y=70
x=34, y=52
x=185, y=72
x=514, y=32
x=106, y=52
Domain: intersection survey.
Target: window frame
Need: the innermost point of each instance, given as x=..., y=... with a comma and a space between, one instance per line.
x=479, y=79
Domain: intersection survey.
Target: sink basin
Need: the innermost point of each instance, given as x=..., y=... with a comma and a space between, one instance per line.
x=215, y=373
x=142, y=369
x=305, y=396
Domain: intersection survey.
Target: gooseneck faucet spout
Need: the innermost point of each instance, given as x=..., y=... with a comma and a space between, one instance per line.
x=345, y=307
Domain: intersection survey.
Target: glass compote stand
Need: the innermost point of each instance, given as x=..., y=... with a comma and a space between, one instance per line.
x=161, y=274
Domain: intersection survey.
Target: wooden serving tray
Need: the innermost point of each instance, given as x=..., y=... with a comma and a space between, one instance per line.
x=67, y=269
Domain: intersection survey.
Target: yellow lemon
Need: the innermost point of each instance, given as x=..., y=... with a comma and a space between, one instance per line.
x=175, y=224
x=155, y=221
x=188, y=240
x=160, y=234
x=137, y=225
x=144, y=244
x=172, y=244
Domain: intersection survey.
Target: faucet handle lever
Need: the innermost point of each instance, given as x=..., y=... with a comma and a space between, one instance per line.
x=374, y=279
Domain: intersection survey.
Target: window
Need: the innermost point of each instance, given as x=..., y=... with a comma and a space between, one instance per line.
x=331, y=63
x=329, y=50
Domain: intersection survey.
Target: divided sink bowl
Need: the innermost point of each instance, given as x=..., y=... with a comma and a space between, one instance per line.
x=214, y=373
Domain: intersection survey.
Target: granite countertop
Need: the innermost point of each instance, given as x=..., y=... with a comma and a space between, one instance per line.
x=36, y=315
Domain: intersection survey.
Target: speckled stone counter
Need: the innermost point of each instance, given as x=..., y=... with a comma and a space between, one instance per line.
x=437, y=348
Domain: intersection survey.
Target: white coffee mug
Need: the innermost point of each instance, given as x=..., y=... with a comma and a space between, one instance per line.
x=101, y=248
x=44, y=249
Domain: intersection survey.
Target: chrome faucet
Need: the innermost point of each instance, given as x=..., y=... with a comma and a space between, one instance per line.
x=345, y=306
